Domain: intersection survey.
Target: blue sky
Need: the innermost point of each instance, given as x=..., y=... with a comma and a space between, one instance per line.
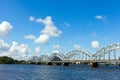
x=36, y=27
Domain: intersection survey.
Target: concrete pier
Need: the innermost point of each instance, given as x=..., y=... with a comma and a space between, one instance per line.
x=58, y=64
x=94, y=65
x=49, y=63
x=65, y=64
x=39, y=63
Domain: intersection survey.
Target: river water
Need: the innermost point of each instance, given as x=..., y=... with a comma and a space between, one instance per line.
x=44, y=72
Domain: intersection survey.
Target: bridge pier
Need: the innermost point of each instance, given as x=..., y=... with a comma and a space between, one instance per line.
x=58, y=64
x=39, y=63
x=107, y=64
x=49, y=63
x=94, y=64
x=65, y=63
x=32, y=63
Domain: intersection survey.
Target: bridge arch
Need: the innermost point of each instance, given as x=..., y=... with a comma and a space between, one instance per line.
x=108, y=52
x=34, y=59
x=80, y=54
x=59, y=55
x=44, y=58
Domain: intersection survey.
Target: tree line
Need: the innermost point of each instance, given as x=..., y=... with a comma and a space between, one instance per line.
x=9, y=60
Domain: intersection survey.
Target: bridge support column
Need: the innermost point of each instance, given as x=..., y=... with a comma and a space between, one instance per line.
x=114, y=54
x=104, y=56
x=115, y=57
x=58, y=64
x=108, y=58
x=109, y=55
x=32, y=62
x=94, y=65
x=39, y=63
x=99, y=56
x=49, y=63
x=65, y=63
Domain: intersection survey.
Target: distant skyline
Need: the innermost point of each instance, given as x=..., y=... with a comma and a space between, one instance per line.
x=36, y=27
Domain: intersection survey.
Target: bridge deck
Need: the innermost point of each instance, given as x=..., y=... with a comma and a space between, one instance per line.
x=99, y=61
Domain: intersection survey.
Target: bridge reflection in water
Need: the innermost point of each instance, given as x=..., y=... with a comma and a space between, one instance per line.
x=107, y=55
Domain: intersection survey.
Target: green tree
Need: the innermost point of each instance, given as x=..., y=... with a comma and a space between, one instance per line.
x=6, y=60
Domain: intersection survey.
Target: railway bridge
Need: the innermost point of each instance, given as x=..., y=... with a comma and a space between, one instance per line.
x=109, y=54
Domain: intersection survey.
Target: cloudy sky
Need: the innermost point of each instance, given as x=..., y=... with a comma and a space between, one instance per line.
x=36, y=27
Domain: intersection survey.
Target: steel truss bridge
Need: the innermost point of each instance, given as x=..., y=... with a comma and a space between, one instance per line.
x=107, y=54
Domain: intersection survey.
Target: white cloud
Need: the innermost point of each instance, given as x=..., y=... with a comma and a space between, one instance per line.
x=3, y=46
x=105, y=37
x=4, y=53
x=14, y=47
x=65, y=25
x=5, y=28
x=23, y=48
x=42, y=39
x=37, y=49
x=101, y=17
x=95, y=44
x=81, y=38
x=56, y=51
x=98, y=17
x=22, y=57
x=31, y=37
x=76, y=46
x=93, y=34
x=14, y=50
x=50, y=30
x=56, y=46
x=31, y=18
x=39, y=20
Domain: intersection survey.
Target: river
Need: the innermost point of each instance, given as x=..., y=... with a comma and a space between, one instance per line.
x=44, y=72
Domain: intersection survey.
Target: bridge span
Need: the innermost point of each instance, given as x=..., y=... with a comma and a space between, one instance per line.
x=109, y=54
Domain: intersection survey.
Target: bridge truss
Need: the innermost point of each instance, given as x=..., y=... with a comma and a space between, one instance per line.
x=110, y=52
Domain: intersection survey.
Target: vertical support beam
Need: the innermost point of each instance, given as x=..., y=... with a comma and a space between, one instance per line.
x=104, y=56
x=99, y=56
x=73, y=57
x=109, y=55
x=82, y=56
x=114, y=54
x=85, y=57
x=119, y=55
x=96, y=58
x=119, y=58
